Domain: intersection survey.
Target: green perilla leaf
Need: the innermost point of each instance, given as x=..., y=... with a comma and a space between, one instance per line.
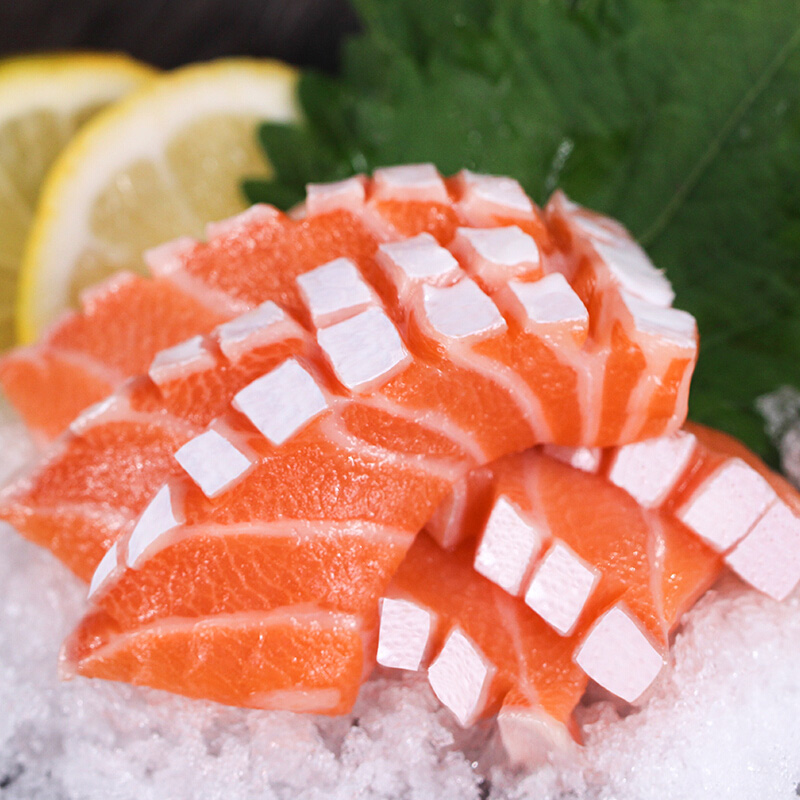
x=679, y=117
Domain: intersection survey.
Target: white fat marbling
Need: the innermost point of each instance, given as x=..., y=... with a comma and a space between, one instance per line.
x=212, y=462
x=253, y=329
x=410, y=182
x=586, y=459
x=181, y=360
x=504, y=194
x=281, y=402
x=649, y=470
x=420, y=259
x=672, y=324
x=258, y=214
x=550, y=300
x=633, y=270
x=460, y=677
x=405, y=632
x=108, y=563
x=347, y=194
x=157, y=519
x=90, y=416
x=508, y=545
x=462, y=311
x=595, y=227
x=618, y=655
x=332, y=289
x=364, y=349
x=167, y=258
x=727, y=504
x=768, y=558
x=502, y=247
x=560, y=587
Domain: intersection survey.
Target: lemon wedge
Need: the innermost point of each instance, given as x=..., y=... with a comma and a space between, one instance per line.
x=44, y=99
x=160, y=164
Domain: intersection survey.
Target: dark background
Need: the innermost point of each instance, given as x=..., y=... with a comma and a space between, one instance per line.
x=168, y=33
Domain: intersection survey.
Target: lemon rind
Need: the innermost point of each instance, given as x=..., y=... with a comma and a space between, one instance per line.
x=264, y=88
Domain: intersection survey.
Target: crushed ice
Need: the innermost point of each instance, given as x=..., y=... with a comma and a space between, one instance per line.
x=722, y=721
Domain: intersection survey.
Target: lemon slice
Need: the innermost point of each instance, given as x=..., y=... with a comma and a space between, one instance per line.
x=159, y=164
x=43, y=101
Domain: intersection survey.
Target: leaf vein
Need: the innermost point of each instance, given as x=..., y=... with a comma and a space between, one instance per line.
x=746, y=103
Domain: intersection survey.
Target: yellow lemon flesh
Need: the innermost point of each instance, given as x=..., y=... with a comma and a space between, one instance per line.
x=160, y=164
x=44, y=100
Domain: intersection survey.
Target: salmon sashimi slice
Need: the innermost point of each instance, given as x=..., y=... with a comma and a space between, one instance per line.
x=726, y=496
x=123, y=323
x=257, y=256
x=482, y=650
x=100, y=475
x=434, y=356
x=663, y=517
x=611, y=581
x=527, y=370
x=528, y=659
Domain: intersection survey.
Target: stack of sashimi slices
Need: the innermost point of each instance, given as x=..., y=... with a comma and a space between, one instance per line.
x=240, y=452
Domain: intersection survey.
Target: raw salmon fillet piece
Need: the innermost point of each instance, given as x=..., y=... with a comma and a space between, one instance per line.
x=552, y=372
x=483, y=650
x=425, y=366
x=257, y=256
x=610, y=573
x=569, y=539
x=99, y=477
x=86, y=355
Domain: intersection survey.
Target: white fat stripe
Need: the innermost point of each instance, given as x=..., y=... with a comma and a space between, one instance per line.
x=549, y=300
x=519, y=392
x=281, y=402
x=95, y=412
x=108, y=563
x=168, y=258
x=649, y=470
x=727, y=504
x=157, y=519
x=597, y=227
x=496, y=190
x=410, y=182
x=462, y=311
x=768, y=558
x=335, y=286
x=460, y=677
x=212, y=462
x=671, y=324
x=504, y=246
x=447, y=523
x=322, y=197
x=244, y=331
x=586, y=459
x=216, y=300
x=186, y=357
x=436, y=421
x=364, y=349
x=405, y=630
x=634, y=271
x=420, y=259
x=532, y=738
x=337, y=432
x=92, y=296
x=618, y=655
x=508, y=545
x=560, y=587
x=307, y=530
x=258, y=214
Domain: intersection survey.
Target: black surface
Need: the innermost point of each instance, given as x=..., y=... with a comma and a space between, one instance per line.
x=168, y=33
